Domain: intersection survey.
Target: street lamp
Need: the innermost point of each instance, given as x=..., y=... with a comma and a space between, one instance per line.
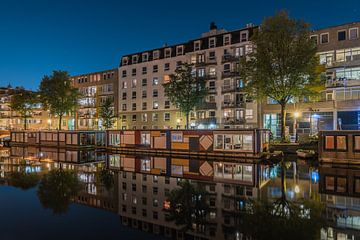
x=178, y=123
x=49, y=123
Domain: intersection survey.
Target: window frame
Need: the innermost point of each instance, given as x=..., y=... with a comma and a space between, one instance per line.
x=328, y=38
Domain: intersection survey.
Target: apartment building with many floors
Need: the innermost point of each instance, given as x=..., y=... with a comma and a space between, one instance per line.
x=338, y=106
x=95, y=88
x=215, y=57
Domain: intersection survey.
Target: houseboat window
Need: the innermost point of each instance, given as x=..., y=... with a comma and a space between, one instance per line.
x=145, y=138
x=145, y=165
x=114, y=139
x=177, y=137
x=357, y=143
x=357, y=185
x=329, y=183
x=239, y=172
x=341, y=142
x=234, y=142
x=176, y=170
x=329, y=143
x=341, y=184
x=115, y=161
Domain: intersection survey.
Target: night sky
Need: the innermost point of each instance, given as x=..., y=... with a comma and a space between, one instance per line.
x=80, y=36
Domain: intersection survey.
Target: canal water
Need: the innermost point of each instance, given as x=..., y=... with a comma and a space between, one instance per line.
x=50, y=193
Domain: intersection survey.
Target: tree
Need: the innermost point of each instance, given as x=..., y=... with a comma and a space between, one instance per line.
x=107, y=113
x=57, y=188
x=58, y=95
x=283, y=64
x=23, y=103
x=188, y=205
x=184, y=90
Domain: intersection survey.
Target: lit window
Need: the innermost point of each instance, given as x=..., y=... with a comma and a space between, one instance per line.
x=329, y=143
x=341, y=143
x=155, y=105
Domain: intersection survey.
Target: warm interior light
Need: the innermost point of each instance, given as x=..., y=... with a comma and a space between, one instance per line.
x=296, y=114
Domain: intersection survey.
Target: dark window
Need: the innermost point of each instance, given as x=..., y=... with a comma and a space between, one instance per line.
x=341, y=35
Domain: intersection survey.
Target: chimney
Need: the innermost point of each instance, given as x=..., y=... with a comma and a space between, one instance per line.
x=249, y=25
x=213, y=26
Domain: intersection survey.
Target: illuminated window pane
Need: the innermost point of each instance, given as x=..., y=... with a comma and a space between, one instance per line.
x=329, y=142
x=341, y=142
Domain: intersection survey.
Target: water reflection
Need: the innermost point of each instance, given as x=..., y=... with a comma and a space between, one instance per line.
x=192, y=198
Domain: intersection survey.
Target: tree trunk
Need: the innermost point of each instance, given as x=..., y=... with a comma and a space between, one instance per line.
x=60, y=119
x=25, y=126
x=283, y=121
x=187, y=120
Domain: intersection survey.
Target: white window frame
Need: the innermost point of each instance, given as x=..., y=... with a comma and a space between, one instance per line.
x=156, y=54
x=177, y=50
x=224, y=37
x=322, y=34
x=143, y=57
x=135, y=57
x=165, y=119
x=165, y=55
x=357, y=33
x=317, y=37
x=210, y=40
x=195, y=44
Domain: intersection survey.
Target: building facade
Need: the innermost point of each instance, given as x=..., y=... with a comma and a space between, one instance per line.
x=95, y=88
x=39, y=119
x=215, y=58
x=337, y=107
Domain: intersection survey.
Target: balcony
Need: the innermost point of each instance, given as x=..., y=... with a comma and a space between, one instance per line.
x=211, y=90
x=230, y=88
x=206, y=121
x=207, y=105
x=229, y=58
x=232, y=104
x=207, y=77
x=209, y=61
x=228, y=74
x=233, y=120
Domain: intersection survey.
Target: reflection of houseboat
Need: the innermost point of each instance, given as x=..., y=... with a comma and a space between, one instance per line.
x=59, y=138
x=339, y=146
x=246, y=142
x=340, y=191
x=57, y=154
x=249, y=174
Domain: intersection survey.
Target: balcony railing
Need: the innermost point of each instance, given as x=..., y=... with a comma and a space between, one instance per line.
x=230, y=88
x=207, y=105
x=233, y=105
x=210, y=120
x=211, y=89
x=233, y=120
x=227, y=74
x=229, y=58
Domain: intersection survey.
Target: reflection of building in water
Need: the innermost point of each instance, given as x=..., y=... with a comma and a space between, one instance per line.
x=340, y=191
x=146, y=182
x=300, y=182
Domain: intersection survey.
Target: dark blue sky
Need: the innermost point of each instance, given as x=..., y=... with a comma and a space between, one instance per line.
x=38, y=36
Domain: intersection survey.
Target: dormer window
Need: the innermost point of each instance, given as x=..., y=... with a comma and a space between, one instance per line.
x=145, y=57
x=179, y=50
x=243, y=36
x=227, y=39
x=134, y=59
x=156, y=54
x=353, y=33
x=167, y=53
x=125, y=61
x=212, y=42
x=197, y=45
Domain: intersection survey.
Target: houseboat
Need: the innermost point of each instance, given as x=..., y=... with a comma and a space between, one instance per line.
x=236, y=142
x=341, y=146
x=59, y=138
